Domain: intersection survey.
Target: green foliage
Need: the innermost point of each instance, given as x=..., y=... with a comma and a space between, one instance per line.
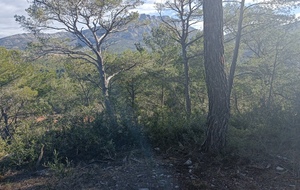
x=263, y=133
x=58, y=165
x=69, y=140
x=9, y=70
x=77, y=141
x=23, y=149
x=171, y=130
x=148, y=99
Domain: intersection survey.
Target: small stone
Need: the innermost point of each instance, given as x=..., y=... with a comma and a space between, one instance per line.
x=188, y=162
x=143, y=188
x=279, y=168
x=282, y=157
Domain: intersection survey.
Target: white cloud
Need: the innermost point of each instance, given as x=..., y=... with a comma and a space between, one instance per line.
x=147, y=8
x=10, y=8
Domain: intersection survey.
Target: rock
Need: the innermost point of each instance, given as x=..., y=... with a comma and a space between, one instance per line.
x=282, y=157
x=188, y=162
x=279, y=168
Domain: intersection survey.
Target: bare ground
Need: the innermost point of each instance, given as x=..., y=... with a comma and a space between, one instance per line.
x=161, y=172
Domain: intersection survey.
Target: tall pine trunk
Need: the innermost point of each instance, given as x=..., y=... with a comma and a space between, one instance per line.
x=216, y=80
x=104, y=83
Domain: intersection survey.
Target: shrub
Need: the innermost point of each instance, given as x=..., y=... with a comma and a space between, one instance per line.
x=23, y=148
x=175, y=130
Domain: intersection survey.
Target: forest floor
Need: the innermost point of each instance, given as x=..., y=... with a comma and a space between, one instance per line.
x=160, y=171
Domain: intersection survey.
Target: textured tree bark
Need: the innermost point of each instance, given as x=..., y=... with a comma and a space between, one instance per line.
x=216, y=80
x=104, y=83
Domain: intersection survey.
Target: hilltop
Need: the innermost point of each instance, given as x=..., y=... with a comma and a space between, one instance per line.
x=127, y=39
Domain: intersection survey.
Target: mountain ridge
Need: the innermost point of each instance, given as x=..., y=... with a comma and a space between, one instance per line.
x=127, y=38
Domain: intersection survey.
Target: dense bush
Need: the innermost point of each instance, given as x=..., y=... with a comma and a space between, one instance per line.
x=71, y=139
x=264, y=132
x=173, y=130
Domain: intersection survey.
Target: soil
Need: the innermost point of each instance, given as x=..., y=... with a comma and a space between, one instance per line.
x=160, y=171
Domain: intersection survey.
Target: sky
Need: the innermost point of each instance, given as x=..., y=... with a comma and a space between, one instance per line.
x=9, y=8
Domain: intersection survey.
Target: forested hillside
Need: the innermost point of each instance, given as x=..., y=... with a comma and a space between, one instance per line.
x=117, y=88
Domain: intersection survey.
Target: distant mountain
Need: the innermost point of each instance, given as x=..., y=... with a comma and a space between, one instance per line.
x=117, y=42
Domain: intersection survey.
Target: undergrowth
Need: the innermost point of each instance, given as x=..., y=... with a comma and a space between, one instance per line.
x=254, y=135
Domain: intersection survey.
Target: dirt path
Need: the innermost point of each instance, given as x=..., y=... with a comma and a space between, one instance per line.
x=159, y=173
x=131, y=172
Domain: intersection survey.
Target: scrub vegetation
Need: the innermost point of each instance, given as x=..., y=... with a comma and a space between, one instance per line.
x=193, y=108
